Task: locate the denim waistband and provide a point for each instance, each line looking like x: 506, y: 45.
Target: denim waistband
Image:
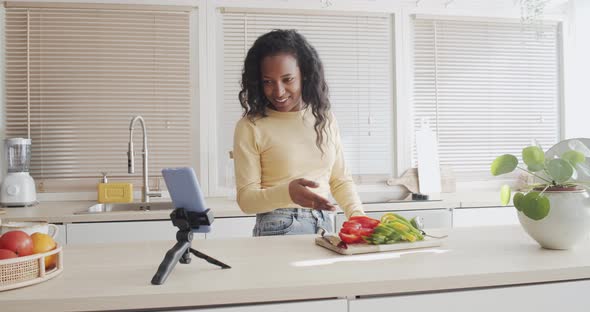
x: 297, y: 211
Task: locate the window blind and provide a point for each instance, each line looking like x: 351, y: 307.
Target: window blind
x: 487, y: 88
x: 356, y: 52
x: 76, y: 77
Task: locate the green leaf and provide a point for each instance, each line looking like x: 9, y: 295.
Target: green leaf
x: 534, y: 158
x: 504, y: 164
x: 528, y: 201
x: 505, y: 194
x: 538, y: 208
x: 516, y: 200
x: 578, y: 146
x: 560, y: 170
x: 573, y: 157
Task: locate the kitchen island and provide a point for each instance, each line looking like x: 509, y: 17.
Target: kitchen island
x: 291, y: 271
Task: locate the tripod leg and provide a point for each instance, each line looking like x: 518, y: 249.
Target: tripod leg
x: 172, y: 257
x: 209, y: 259
x: 186, y: 257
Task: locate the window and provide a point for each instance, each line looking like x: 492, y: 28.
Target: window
x: 356, y: 52
x: 487, y: 88
x: 76, y: 76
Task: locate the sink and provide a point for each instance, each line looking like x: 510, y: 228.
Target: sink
x: 127, y: 207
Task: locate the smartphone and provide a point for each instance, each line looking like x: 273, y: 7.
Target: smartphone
x: 185, y: 191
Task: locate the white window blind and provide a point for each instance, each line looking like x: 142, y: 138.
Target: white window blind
x: 356, y: 52
x: 76, y: 77
x: 487, y: 88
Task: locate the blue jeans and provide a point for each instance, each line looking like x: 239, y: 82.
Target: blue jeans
x: 292, y: 221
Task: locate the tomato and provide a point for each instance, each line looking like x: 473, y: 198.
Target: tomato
x: 350, y: 238
x: 7, y: 254
x: 17, y: 241
x: 365, y: 221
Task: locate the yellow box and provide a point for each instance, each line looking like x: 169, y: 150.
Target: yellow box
x: 115, y: 192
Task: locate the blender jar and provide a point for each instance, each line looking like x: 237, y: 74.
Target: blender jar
x: 18, y: 154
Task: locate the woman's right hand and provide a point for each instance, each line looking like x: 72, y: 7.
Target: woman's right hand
x: 306, y: 198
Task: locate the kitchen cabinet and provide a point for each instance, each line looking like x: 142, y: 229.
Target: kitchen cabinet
x: 232, y: 227
x: 132, y: 231
x: 550, y: 297
x: 484, y: 216
x: 433, y: 218
x: 110, y: 232
x: 335, y: 305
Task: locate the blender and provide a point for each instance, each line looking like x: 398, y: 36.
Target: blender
x: 18, y: 187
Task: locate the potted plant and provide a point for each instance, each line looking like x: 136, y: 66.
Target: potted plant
x: 555, y: 211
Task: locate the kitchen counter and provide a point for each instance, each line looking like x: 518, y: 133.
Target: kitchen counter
x: 63, y: 211
x: 117, y: 276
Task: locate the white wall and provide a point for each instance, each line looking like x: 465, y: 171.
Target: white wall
x: 577, y: 71
x: 577, y: 66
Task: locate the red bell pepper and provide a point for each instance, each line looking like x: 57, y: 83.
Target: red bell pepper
x: 350, y: 238
x: 356, y: 228
x: 352, y: 224
x: 366, y: 232
x: 365, y: 221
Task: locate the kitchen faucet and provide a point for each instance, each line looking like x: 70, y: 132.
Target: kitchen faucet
x: 145, y: 190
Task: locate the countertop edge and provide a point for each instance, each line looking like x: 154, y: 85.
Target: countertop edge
x: 295, y: 294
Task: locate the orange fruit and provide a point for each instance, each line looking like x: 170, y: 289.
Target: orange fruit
x: 44, y: 243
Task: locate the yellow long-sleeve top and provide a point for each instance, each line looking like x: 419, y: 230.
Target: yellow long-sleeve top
x: 272, y: 151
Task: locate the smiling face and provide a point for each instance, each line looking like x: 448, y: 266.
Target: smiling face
x: 281, y: 79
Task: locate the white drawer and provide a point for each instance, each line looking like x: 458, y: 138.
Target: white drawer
x: 111, y: 232
x: 232, y: 227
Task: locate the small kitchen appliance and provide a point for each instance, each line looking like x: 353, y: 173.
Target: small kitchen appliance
x: 18, y: 187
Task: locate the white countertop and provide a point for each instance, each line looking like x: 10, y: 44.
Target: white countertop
x: 64, y: 211
x: 117, y: 276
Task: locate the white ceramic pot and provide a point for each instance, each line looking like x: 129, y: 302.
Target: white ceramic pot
x: 567, y: 223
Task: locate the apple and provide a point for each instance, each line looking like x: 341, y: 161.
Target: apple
x: 17, y: 241
x: 7, y: 254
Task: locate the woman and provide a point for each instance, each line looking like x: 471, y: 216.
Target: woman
x: 287, y: 149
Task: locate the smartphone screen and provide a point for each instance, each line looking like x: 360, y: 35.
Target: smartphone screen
x: 185, y: 192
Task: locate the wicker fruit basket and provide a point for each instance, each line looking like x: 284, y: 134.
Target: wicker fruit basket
x: 29, y: 270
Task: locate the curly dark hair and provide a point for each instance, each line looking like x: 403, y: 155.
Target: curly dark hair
x: 314, y: 89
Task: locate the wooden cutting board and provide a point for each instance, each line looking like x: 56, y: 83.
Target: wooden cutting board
x: 354, y: 249
x: 409, y: 180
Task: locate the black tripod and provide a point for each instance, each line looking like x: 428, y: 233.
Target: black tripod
x: 186, y: 221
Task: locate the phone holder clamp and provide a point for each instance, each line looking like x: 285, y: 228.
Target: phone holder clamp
x: 186, y: 221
